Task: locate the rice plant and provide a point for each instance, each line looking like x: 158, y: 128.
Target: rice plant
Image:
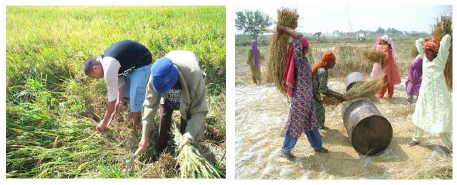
x: 191, y: 163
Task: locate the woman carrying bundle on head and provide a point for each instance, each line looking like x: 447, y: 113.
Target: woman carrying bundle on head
x: 297, y: 79
x: 392, y: 76
x: 320, y: 78
x: 434, y: 107
x: 377, y: 68
x: 413, y: 83
x: 253, y: 62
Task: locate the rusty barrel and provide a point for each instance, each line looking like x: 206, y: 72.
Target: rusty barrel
x: 369, y: 131
x: 353, y: 78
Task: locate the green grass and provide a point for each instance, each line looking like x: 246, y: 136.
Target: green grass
x: 52, y: 108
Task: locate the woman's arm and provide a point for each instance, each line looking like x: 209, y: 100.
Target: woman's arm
x: 443, y: 52
x: 419, y: 43
x: 289, y: 31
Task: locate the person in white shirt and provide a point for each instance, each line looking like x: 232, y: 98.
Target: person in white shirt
x: 125, y: 66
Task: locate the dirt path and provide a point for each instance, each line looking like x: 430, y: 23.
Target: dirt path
x: 261, y: 113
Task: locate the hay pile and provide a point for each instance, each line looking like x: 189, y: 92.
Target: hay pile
x: 348, y: 59
x: 373, y: 56
x: 279, y: 45
x: 439, y: 30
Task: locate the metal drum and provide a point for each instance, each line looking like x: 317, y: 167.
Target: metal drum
x: 353, y: 78
x: 369, y: 131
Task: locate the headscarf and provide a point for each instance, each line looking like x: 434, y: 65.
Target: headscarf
x: 255, y: 54
x: 288, y: 78
x: 391, y: 43
x: 323, y: 63
x: 378, y: 42
x: 431, y: 44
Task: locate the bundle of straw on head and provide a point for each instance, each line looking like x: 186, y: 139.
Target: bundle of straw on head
x: 191, y: 163
x: 439, y: 30
x: 288, y: 17
x: 279, y: 47
x: 373, y: 56
x: 366, y: 89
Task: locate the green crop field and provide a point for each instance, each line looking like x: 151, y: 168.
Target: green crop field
x: 52, y: 108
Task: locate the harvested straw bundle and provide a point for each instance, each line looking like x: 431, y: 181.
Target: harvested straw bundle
x: 366, y: 89
x: 359, y: 90
x: 327, y: 100
x: 439, y: 30
x: 414, y: 51
x: 288, y: 17
x: 373, y: 56
x: 191, y: 163
x: 279, y: 45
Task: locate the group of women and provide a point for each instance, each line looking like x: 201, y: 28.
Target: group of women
x: 305, y: 84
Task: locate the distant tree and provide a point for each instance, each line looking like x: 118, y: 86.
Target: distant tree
x: 252, y: 22
x: 393, y: 31
x: 380, y: 30
x: 360, y: 31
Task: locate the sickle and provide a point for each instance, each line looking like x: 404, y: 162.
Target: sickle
x: 138, y: 151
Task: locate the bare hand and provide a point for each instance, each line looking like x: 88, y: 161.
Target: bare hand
x: 341, y: 98
x: 119, y: 106
x: 184, y: 142
x: 101, y: 127
x: 279, y: 29
x: 144, y: 144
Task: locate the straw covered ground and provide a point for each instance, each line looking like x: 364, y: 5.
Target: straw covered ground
x: 261, y: 112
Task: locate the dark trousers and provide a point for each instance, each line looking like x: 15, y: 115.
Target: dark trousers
x: 164, y: 127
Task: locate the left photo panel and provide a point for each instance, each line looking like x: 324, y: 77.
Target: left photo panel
x: 115, y: 92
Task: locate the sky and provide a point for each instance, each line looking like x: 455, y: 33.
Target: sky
x: 330, y: 17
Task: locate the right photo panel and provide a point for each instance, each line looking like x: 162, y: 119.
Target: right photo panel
x: 343, y: 92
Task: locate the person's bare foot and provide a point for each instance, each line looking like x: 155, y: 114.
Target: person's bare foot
x: 323, y: 150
